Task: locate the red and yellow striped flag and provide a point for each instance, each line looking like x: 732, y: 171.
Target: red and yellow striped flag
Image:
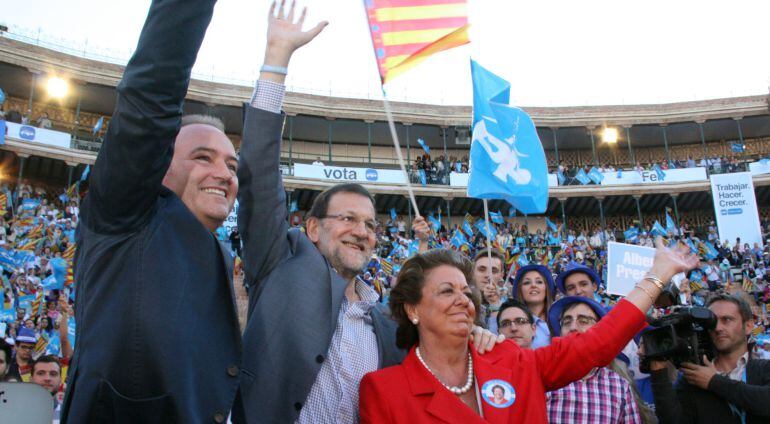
x: 748, y: 286
x: 69, y: 252
x: 35, y: 232
x: 26, y: 244
x: 37, y: 303
x: 70, y: 279
x: 406, y: 32
x: 41, y: 345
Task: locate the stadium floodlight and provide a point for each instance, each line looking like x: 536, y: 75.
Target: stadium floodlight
x: 610, y: 135
x: 57, y: 87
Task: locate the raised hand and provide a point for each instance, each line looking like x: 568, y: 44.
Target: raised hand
x: 670, y: 261
x: 285, y: 35
x: 421, y: 229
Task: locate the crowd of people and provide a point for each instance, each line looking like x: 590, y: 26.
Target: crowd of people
x: 37, y: 323
x: 350, y: 320
x: 532, y: 270
x: 425, y: 170
x: 538, y: 275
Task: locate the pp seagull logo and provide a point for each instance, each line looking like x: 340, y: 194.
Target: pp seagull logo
x: 503, y: 153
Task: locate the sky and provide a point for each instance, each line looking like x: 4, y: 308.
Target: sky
x: 554, y: 52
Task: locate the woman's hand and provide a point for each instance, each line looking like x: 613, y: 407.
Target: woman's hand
x: 484, y: 340
x: 670, y: 261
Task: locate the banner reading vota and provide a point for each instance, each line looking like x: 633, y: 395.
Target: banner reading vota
x: 736, y: 208
x: 339, y: 173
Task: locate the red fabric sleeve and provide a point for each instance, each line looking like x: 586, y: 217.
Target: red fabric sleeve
x: 570, y: 358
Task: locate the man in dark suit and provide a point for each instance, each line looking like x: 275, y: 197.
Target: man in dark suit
x: 158, y: 335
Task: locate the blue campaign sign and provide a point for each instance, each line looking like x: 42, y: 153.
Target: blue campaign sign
x: 582, y: 177
x: 507, y: 158
x: 2, y: 132
x: 626, y: 266
x: 71, y: 331
x: 7, y: 315
x: 25, y: 302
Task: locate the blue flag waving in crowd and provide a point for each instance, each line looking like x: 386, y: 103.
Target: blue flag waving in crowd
x: 670, y: 224
x: 507, y: 158
x: 496, y: 217
x: 424, y: 146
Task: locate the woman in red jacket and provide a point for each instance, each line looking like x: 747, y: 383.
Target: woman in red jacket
x: 443, y: 379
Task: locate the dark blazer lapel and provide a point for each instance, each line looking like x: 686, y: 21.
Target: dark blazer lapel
x: 385, y: 331
x: 229, y: 261
x: 337, y: 291
x: 486, y: 370
x: 379, y: 330
x: 443, y: 405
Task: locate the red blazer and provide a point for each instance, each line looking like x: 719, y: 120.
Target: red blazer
x: 408, y: 393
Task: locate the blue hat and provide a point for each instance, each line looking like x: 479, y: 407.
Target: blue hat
x: 26, y: 336
x: 573, y: 268
x: 542, y: 269
x: 555, y: 311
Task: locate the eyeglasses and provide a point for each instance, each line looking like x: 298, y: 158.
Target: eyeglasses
x: 518, y: 322
x: 582, y: 321
x: 351, y: 221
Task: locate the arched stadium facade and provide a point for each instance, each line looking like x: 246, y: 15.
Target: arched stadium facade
x: 351, y: 138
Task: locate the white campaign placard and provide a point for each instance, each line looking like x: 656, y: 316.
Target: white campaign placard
x: 626, y: 266
x: 348, y: 174
x: 735, y: 207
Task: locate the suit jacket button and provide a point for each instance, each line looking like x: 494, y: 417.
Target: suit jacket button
x: 219, y: 417
x: 297, y: 406
x: 319, y: 359
x: 232, y: 371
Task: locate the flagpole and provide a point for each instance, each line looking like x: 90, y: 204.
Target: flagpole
x: 489, y: 243
x: 400, y: 157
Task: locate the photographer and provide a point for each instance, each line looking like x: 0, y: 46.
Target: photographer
x: 732, y: 389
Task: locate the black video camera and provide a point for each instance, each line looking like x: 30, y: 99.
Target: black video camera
x: 680, y: 336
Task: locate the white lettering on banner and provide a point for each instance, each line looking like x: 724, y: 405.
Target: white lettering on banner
x: 339, y: 173
x: 626, y: 265
x: 651, y: 177
x: 32, y: 134
x: 735, y: 205
x: 232, y: 219
x: 633, y: 273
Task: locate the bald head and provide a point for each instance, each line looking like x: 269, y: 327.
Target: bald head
x: 203, y: 173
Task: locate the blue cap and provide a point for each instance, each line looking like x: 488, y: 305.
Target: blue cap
x: 555, y: 311
x: 573, y: 268
x: 542, y: 269
x: 26, y: 336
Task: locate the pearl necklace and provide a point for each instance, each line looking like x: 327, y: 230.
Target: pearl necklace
x: 454, y: 389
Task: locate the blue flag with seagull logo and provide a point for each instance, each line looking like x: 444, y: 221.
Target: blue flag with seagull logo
x: 507, y: 159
